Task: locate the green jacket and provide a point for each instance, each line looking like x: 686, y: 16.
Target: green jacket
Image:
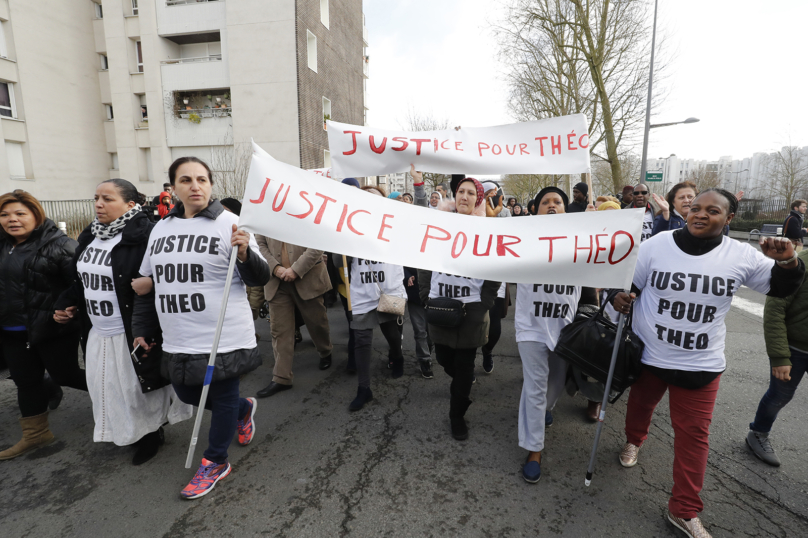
x: 785, y: 322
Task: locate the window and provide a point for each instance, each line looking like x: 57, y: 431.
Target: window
x: 326, y: 159
x: 7, y: 100
x: 16, y: 162
x: 326, y: 110
x: 3, y: 49
x: 311, y: 48
x: 99, y: 11
x: 139, y: 57
x: 114, y: 161
x: 324, y: 12
x: 104, y: 62
x: 110, y: 115
x: 134, y: 7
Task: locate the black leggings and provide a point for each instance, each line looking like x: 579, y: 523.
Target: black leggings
x: 495, y: 329
x: 27, y: 364
x: 392, y: 332
x: 459, y: 365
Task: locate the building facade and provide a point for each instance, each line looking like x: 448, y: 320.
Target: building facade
x: 148, y: 81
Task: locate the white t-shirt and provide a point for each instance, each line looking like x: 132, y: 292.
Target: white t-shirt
x: 501, y: 291
x: 188, y: 260
x: 95, y: 269
x: 680, y: 313
x: 542, y: 310
x: 367, y: 277
x: 647, y: 225
x: 461, y: 288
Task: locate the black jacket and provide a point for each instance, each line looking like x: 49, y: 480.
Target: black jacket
x: 413, y: 292
x: 792, y: 227
x: 126, y: 258
x: 190, y: 369
x: 46, y: 273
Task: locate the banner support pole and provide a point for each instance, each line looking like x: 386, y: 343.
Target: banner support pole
x: 589, y: 186
x: 347, y: 286
x: 212, y: 360
x: 619, y: 336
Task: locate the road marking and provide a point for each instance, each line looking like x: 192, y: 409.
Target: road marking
x: 748, y: 306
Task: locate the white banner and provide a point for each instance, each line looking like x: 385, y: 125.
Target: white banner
x: 596, y: 249
x: 325, y: 172
x: 550, y: 146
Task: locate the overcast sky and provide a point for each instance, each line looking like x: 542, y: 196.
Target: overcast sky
x: 739, y: 66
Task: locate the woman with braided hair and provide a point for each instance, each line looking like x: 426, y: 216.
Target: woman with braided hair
x: 684, y: 282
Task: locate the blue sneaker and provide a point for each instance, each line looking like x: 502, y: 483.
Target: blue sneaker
x: 548, y: 419
x: 531, y: 472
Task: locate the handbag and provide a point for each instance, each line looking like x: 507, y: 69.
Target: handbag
x: 445, y: 312
x: 588, y: 342
x: 391, y: 304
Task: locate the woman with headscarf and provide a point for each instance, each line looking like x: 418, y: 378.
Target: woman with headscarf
x: 395, y: 195
x: 538, y: 326
x: 131, y: 400
x: 517, y: 210
x: 456, y: 347
x: 434, y: 200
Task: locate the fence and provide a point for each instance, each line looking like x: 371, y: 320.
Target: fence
x: 753, y: 214
x: 76, y: 214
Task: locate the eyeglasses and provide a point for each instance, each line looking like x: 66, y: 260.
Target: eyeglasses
x: 640, y: 192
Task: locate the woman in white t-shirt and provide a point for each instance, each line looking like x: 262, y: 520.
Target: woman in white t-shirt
x: 188, y: 258
x: 685, y: 281
x: 456, y: 347
x: 542, y: 310
x: 131, y: 400
x: 368, y: 279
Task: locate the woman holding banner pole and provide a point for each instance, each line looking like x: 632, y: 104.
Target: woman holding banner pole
x: 188, y: 258
x: 456, y: 346
x: 685, y: 281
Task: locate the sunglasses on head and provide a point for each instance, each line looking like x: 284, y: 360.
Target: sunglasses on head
x: 640, y: 192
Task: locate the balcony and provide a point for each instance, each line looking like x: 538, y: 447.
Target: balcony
x: 366, y: 66
x: 177, y: 17
x: 199, y: 118
x: 199, y: 73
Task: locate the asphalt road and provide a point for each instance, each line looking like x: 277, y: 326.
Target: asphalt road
x: 392, y: 469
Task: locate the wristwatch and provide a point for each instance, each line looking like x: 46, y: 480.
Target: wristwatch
x: 786, y: 262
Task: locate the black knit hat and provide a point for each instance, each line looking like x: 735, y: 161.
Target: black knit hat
x: 582, y: 187
x: 547, y: 190
x: 232, y: 204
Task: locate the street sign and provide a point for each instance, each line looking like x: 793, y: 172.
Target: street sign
x: 653, y: 176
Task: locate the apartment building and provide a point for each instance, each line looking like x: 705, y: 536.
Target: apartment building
x: 142, y: 82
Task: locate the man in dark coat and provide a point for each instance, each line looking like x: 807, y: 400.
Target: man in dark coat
x: 793, y: 225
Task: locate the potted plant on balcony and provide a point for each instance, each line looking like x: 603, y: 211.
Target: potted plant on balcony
x: 326, y: 117
x: 194, y: 118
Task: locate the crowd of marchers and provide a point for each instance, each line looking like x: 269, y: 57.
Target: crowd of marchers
x: 140, y: 291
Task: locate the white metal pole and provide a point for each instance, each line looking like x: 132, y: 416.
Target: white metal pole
x: 591, y: 469
x: 212, y: 360
x: 643, y: 168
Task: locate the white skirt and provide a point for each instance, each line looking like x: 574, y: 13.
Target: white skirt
x: 123, y: 413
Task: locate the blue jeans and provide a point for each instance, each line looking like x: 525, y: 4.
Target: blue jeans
x: 779, y: 394
x: 226, y: 408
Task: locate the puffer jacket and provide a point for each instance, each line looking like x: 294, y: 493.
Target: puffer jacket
x: 47, y: 272
x: 785, y: 322
x: 126, y: 258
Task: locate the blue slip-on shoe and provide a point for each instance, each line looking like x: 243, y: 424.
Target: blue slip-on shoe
x: 531, y: 472
x: 548, y: 419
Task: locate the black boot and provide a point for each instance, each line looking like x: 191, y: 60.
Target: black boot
x: 397, y: 366
x: 55, y: 393
x: 459, y: 429
x: 363, y: 396
x: 148, y: 445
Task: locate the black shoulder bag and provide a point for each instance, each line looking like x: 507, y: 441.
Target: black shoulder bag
x: 588, y: 341
x: 445, y: 312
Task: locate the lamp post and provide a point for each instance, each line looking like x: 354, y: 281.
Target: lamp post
x: 736, y: 177
x: 648, y: 125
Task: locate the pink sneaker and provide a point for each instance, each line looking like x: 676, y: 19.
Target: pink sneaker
x: 205, y: 479
x: 246, y: 426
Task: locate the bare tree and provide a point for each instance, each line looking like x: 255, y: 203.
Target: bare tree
x: 417, y: 121
x: 788, y: 172
x: 605, y: 183
x: 230, y: 163
x: 581, y: 56
x: 705, y: 177
x: 525, y: 186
